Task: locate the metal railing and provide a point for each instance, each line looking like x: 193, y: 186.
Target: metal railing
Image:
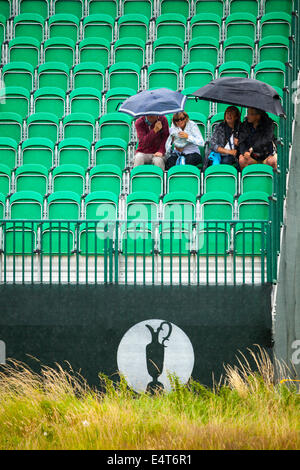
x: 138, y: 252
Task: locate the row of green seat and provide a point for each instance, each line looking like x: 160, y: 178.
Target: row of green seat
x: 64, y: 207
x: 136, y: 25
x: 149, y: 178
x: 146, y: 7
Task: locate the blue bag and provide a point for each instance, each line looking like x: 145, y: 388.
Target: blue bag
x: 215, y: 157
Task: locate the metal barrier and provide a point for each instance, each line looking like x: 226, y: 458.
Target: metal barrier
x: 130, y: 252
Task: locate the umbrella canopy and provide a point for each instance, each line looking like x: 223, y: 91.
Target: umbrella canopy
x: 242, y: 92
x: 159, y: 101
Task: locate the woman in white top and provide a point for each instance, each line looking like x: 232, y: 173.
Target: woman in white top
x: 184, y: 140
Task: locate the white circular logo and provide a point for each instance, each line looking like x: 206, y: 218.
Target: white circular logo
x: 153, y: 350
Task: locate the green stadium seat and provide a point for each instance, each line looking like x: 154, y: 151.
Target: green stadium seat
x: 69, y: 7
x: 21, y: 237
x: 144, y: 7
x: 86, y: 100
x: 24, y: 49
x: 169, y: 49
x: 16, y: 98
x: 240, y: 24
x: 74, y: 150
x: 111, y: 151
x: 221, y: 178
x: 133, y: 25
x: 137, y: 233
x: 207, y: 6
x: 194, y: 106
x: 245, y: 6
x: 94, y: 238
x: 69, y: 177
x: 204, y: 49
x: 60, y: 50
x: 38, y: 150
x: 240, y: 48
x: 235, y: 69
x: 5, y: 179
x: 2, y: 28
x: 63, y: 205
x: 184, y: 178
x: 107, y: 7
x: 257, y: 177
x: 18, y: 74
x: 106, y: 177
x: 273, y: 46
x: 115, y: 125
x: 213, y: 234
x: 271, y: 72
x: 171, y: 25
x: 50, y: 98
x: 64, y: 25
x: 285, y: 6
x: 11, y: 125
x: 149, y: 178
x: 29, y: 24
x: 206, y: 24
x: 163, y: 74
x: 197, y: 74
x: 44, y: 125
x: 82, y: 124
x: 176, y: 229
x: 115, y: 96
x: 41, y: 7
x: 32, y: 176
x: 99, y: 26
x: 133, y: 48
x: 124, y: 72
x: 54, y: 74
x: 175, y: 6
x: 89, y: 74
x: 8, y: 152
x: 6, y: 8
x: 279, y: 23
x: 94, y: 50
x: 201, y: 120
x: 250, y: 236
x: 59, y: 237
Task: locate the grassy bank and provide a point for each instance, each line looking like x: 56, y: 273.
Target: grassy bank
x: 57, y: 410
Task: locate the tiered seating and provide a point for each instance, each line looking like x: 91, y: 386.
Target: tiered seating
x: 67, y: 65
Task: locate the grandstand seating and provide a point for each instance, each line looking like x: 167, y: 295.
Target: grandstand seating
x: 66, y: 152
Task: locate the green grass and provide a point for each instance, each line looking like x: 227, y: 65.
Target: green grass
x: 57, y: 410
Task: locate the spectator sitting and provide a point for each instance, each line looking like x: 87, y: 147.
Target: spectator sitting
x: 224, y: 140
x: 152, y: 133
x: 185, y: 138
x: 257, y: 139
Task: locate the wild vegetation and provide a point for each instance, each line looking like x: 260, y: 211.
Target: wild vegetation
x: 57, y: 410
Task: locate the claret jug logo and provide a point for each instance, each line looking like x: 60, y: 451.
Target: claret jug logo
x: 152, y: 351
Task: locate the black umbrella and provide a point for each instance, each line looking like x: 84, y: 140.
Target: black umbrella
x: 245, y: 92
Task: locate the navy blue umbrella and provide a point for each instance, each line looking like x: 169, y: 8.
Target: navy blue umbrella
x: 158, y: 102
x: 245, y: 92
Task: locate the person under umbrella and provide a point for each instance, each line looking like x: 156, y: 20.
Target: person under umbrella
x: 224, y: 140
x: 184, y: 141
x: 152, y: 132
x: 257, y: 140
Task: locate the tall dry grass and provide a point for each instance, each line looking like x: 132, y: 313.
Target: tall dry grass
x: 58, y: 410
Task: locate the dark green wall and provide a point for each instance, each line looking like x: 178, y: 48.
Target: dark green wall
x: 85, y: 324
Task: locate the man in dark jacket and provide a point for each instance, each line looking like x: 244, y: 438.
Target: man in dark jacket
x: 256, y: 140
